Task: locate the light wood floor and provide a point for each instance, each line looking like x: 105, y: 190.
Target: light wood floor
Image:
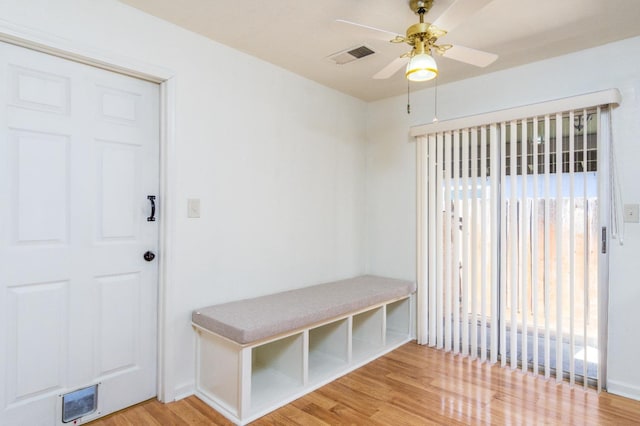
x: 416, y: 385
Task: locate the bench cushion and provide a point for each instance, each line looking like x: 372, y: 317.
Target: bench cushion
x: 249, y: 320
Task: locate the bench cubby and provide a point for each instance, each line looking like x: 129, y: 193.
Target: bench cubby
x: 396, y: 326
x: 246, y: 380
x: 328, y: 349
x: 368, y: 333
x: 277, y: 370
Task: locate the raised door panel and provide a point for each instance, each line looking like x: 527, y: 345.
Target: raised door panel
x: 118, y: 323
x: 119, y: 184
x: 37, y: 350
x: 39, y: 90
x: 41, y: 197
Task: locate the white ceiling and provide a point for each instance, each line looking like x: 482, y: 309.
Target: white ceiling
x: 299, y: 35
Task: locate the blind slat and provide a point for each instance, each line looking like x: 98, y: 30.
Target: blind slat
x: 572, y: 275
x: 559, y: 284
x: 586, y: 252
x: 600, y: 364
x: 524, y: 239
x: 455, y: 226
x: 422, y: 238
x: 547, y: 247
x: 512, y: 237
x: 465, y: 224
x: 503, y: 249
x: 441, y: 249
x: 483, y: 231
x: 534, y: 247
x: 447, y: 242
x: 496, y: 171
x: 433, y: 208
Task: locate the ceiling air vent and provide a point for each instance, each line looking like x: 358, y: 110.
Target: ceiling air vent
x: 351, y: 55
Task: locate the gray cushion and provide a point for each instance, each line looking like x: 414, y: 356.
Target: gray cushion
x: 249, y: 320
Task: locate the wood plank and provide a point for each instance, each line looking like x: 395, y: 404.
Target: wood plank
x: 290, y: 415
x: 213, y: 416
x: 164, y: 416
x: 190, y: 411
x: 139, y: 416
x: 415, y: 385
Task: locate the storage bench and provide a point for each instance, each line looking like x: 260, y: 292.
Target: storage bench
x: 256, y: 355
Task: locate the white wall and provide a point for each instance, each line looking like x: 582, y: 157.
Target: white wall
x: 277, y: 161
x: 390, y: 193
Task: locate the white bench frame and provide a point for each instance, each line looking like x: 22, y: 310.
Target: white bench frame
x: 245, y: 382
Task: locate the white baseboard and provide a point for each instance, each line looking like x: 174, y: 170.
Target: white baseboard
x: 623, y: 389
x: 185, y: 390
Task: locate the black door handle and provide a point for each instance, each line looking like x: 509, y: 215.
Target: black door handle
x: 149, y: 256
x: 152, y: 198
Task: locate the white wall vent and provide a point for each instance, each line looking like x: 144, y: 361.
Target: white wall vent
x: 350, y: 55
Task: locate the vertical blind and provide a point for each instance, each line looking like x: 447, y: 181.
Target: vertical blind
x: 509, y: 221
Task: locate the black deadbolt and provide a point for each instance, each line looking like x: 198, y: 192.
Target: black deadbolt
x: 149, y: 256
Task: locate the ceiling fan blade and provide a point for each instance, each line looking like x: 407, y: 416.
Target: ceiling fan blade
x: 393, y: 67
x: 470, y: 56
x: 459, y: 12
x: 391, y: 33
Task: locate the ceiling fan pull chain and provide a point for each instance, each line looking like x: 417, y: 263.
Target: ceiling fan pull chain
x: 408, y: 97
x: 435, y: 102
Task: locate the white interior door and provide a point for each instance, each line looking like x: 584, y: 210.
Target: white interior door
x: 79, y: 154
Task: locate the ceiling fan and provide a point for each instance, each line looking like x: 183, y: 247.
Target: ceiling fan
x: 423, y: 36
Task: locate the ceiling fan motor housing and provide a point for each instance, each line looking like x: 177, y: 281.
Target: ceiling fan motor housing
x: 423, y: 31
x: 420, y: 6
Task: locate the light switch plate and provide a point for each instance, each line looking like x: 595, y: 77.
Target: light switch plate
x: 193, y: 207
x: 632, y: 213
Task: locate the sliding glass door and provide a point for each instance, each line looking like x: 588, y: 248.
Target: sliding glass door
x: 514, y: 218
x: 549, y: 260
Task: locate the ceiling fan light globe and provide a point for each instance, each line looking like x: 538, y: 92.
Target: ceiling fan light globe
x: 422, y: 67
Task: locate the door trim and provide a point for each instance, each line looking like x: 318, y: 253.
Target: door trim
x: 166, y: 78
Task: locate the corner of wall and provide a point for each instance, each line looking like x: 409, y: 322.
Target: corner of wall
x: 184, y: 390
x: 623, y: 389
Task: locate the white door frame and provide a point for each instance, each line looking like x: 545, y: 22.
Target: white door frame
x: 35, y: 40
